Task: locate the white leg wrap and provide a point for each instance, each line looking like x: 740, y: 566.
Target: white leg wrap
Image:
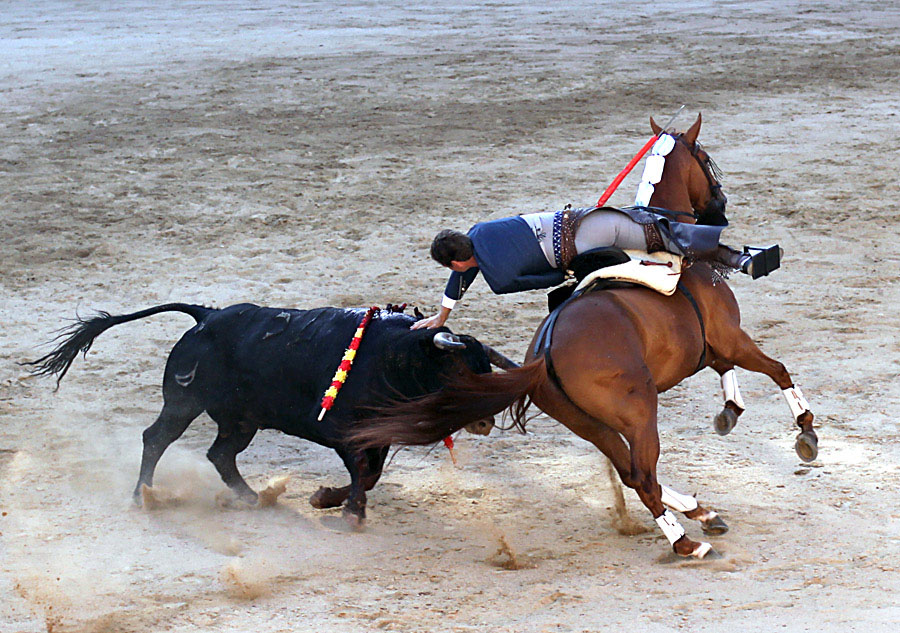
x: 702, y: 550
x: 796, y: 401
x: 678, y: 501
x: 730, y: 390
x: 670, y: 526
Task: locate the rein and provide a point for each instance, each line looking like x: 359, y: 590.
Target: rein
x: 690, y: 297
x: 707, y: 166
x: 669, y: 212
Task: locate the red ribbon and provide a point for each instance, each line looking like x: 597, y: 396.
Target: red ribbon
x: 618, y: 179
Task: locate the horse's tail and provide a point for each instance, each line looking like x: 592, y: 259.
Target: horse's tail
x: 79, y: 336
x: 463, y: 400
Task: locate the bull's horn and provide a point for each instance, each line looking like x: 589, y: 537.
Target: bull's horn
x: 446, y: 340
x: 499, y: 360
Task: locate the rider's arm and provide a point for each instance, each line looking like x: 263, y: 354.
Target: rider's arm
x: 456, y: 287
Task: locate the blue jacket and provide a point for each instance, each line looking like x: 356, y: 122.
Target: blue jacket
x: 510, y: 256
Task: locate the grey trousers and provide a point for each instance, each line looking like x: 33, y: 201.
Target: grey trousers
x: 609, y: 228
x: 597, y: 229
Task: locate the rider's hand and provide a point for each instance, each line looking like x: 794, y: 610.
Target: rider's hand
x: 430, y: 322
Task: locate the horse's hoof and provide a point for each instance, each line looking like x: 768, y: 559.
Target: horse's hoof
x: 807, y: 446
x: 357, y: 522
x: 725, y: 421
x: 715, y: 526
x: 701, y: 551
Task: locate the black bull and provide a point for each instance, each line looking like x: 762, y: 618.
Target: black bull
x: 254, y: 368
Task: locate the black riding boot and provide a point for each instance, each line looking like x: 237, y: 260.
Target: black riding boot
x: 756, y: 262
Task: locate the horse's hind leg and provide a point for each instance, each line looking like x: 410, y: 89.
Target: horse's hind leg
x: 552, y: 401
x: 727, y: 418
x: 612, y: 445
x: 644, y: 441
x: 710, y: 521
x: 744, y: 353
x: 171, y: 423
x: 231, y: 440
x: 628, y: 403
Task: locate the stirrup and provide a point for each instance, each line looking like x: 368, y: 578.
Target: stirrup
x: 762, y: 261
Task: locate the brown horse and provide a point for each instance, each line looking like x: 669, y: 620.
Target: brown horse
x: 612, y: 352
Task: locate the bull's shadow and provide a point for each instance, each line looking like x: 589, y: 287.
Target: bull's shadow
x: 250, y: 367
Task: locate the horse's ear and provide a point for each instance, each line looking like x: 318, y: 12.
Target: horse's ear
x: 690, y: 137
x: 653, y: 126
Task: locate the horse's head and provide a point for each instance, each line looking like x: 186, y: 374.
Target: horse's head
x: 690, y: 179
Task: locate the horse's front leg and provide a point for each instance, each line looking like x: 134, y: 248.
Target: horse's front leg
x: 733, y: 407
x: 744, y: 353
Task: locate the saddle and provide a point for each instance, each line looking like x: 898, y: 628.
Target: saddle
x: 611, y: 266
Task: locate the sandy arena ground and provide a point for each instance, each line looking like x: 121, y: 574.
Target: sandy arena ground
x: 304, y: 154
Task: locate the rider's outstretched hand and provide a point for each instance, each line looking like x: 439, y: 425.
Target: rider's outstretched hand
x: 430, y: 322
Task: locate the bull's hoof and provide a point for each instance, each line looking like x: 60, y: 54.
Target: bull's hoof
x: 156, y: 498
x: 248, y: 497
x: 235, y: 499
x: 725, y: 422
x: 807, y: 446
x: 715, y: 526
x: 357, y: 522
x: 325, y: 498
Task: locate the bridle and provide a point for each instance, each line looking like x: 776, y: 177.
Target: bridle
x: 713, y: 212
x: 717, y: 200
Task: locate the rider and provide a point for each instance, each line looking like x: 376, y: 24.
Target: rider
x: 523, y: 252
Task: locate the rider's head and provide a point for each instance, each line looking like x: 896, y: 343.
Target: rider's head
x: 451, y: 246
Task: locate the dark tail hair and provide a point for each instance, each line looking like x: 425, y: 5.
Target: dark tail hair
x: 79, y: 336
x: 469, y: 398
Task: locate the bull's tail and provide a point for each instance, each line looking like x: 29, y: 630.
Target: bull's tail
x: 464, y: 400
x: 79, y: 336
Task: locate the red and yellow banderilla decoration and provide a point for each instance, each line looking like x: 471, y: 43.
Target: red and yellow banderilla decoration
x: 346, y: 363
x: 344, y: 368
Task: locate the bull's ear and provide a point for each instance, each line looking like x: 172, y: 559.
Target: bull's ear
x: 447, y: 341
